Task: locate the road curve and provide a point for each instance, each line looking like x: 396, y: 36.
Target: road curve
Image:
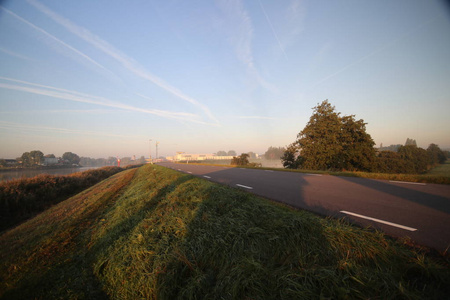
x: 400, y: 209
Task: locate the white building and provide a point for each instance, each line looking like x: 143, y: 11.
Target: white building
x: 197, y: 157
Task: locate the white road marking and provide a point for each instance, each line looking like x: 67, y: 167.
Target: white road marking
x: 189, y: 172
x: 244, y: 186
x: 206, y: 176
x: 311, y: 174
x: 179, y: 169
x: 379, y: 221
x: 418, y: 183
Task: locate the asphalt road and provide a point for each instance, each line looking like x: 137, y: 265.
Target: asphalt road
x: 400, y: 209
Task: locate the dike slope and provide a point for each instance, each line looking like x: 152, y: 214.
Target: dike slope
x: 153, y: 233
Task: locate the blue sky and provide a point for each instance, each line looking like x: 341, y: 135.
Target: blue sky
x: 101, y: 78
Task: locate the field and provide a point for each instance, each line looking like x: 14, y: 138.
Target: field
x: 442, y: 170
x: 153, y: 233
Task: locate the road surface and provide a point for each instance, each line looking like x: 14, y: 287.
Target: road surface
x: 400, y: 209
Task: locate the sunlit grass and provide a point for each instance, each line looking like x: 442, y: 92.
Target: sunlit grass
x: 154, y: 233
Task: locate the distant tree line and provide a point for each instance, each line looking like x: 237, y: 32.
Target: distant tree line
x: 110, y: 161
x: 334, y: 142
x: 37, y: 158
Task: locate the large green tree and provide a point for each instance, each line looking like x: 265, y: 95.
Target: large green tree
x: 331, y: 142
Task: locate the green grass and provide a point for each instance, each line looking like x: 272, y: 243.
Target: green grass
x: 153, y: 233
x: 441, y: 170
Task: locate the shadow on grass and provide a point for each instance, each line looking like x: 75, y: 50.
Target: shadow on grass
x: 241, y: 247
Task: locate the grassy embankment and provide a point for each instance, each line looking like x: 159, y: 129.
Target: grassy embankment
x: 439, y: 174
x: 152, y: 233
x: 25, y: 197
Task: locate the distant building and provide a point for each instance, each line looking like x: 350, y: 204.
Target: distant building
x: 10, y: 162
x: 197, y: 157
x: 50, y: 161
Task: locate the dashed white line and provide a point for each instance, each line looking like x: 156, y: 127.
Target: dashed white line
x: 244, y: 186
x: 405, y: 182
x: 206, y: 176
x: 189, y: 172
x: 379, y: 221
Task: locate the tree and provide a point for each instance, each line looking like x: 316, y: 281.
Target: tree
x: 50, y: 156
x: 32, y: 158
x: 410, y: 142
x: 241, y: 160
x: 435, y: 155
x: 291, y: 158
x: 231, y: 153
x: 26, y: 159
x: 390, y: 162
x: 358, y: 152
x: 37, y: 157
x: 274, y: 153
x: 416, y: 159
x: 330, y: 141
x: 72, y: 158
x: 221, y: 153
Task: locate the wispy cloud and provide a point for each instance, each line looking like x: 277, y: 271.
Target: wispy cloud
x: 38, y: 128
x: 14, y: 54
x: 75, y: 96
x: 255, y: 117
x: 239, y: 27
x: 273, y: 30
x: 60, y: 42
x: 63, y: 111
x: 127, y: 62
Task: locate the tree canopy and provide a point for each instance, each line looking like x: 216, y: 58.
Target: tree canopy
x: 274, y: 153
x: 71, y: 158
x: 241, y: 160
x: 331, y: 142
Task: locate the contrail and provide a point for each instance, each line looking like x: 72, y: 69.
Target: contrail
x: 273, y: 30
x: 127, y: 62
x: 57, y: 40
x: 64, y: 94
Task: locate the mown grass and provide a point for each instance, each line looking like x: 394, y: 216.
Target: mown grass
x: 153, y: 233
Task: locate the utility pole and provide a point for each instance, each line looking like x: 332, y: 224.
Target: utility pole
x: 150, y: 148
x: 157, y: 150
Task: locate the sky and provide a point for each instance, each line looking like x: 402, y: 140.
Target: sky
x: 110, y: 78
